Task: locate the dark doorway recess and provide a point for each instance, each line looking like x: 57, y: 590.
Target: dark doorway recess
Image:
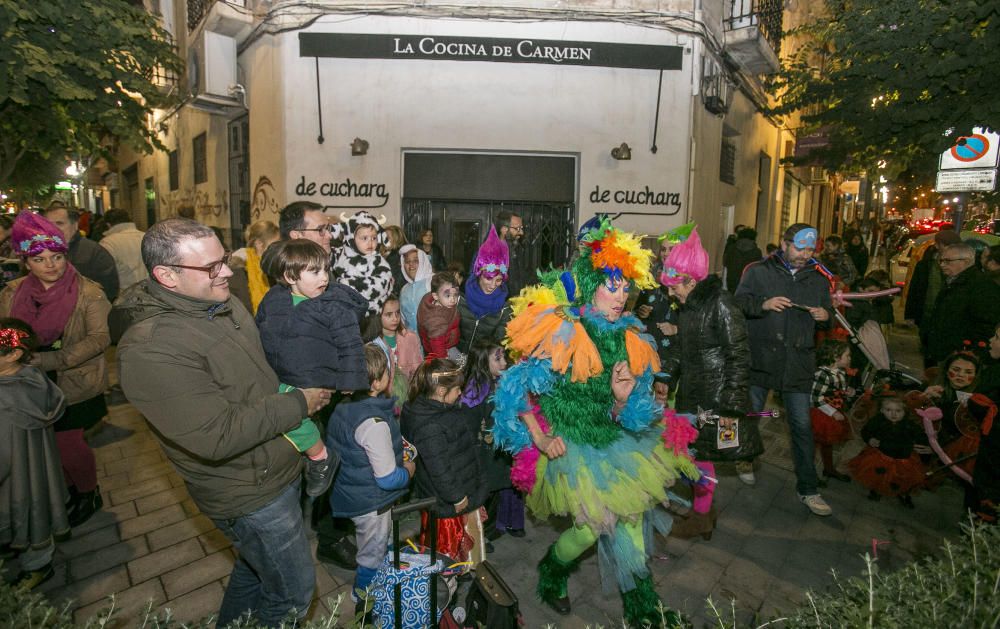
x: 460, y: 195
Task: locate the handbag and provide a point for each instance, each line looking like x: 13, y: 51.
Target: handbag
x: 491, y: 604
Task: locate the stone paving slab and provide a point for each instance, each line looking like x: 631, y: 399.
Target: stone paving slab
x: 150, y: 543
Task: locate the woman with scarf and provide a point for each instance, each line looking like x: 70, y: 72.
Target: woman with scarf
x: 69, y: 313
x: 578, y: 414
x: 417, y: 272
x: 484, y: 309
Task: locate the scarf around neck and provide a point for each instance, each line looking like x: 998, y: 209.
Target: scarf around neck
x: 482, y: 304
x: 46, y: 310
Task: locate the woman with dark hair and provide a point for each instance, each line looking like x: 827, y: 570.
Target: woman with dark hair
x: 69, y: 313
x: 956, y: 383
x: 857, y: 251
x: 426, y: 243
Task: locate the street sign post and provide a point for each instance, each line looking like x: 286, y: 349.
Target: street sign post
x: 971, y: 180
x: 970, y: 165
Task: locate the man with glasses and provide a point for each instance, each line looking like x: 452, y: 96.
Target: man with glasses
x: 511, y: 230
x: 305, y: 219
x: 785, y: 297
x: 967, y: 307
x: 926, y: 281
x: 191, y: 362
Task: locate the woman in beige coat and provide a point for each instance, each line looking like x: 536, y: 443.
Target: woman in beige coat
x: 69, y: 313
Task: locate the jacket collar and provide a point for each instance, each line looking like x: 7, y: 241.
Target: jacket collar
x: 121, y: 227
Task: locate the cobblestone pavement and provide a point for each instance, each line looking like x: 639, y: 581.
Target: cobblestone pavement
x: 151, y: 544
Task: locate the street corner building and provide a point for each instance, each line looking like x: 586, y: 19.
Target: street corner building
x: 443, y: 115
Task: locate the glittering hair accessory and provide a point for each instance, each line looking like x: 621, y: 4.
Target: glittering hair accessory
x: 687, y: 260
x: 10, y: 338
x: 493, y: 256
x: 32, y: 234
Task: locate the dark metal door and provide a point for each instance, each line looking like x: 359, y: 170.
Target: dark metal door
x: 460, y: 226
x: 239, y: 178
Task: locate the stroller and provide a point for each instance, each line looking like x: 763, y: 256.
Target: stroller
x: 880, y: 369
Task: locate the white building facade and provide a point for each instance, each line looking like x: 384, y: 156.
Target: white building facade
x: 442, y: 115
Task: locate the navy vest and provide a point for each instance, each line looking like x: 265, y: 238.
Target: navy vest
x: 355, y: 491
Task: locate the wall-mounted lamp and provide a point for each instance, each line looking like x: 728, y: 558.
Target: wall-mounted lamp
x: 622, y: 152
x: 359, y: 147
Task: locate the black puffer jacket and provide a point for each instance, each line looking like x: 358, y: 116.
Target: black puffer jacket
x: 317, y: 343
x: 709, y: 363
x: 782, y: 346
x: 491, y: 327
x: 449, y: 464
x: 966, y: 309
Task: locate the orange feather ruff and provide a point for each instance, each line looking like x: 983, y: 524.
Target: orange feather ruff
x: 640, y: 354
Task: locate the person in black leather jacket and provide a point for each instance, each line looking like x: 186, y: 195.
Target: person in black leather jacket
x: 709, y: 362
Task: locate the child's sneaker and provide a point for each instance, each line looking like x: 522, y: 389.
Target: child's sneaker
x: 319, y: 476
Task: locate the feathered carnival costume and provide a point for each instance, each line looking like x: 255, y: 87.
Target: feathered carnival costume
x: 617, y: 467
x: 368, y: 274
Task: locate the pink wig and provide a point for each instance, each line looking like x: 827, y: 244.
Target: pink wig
x: 686, y: 260
x: 32, y: 234
x: 493, y: 256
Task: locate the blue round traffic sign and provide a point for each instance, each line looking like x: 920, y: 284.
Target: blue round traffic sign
x: 970, y: 148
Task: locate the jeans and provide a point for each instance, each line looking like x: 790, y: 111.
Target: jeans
x: 274, y: 571
x: 800, y: 426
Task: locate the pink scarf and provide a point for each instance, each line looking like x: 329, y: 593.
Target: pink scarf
x: 46, y: 311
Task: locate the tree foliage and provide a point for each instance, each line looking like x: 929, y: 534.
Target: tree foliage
x: 887, y: 79
x: 75, y: 72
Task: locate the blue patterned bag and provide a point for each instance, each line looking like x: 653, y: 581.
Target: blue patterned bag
x: 414, y: 577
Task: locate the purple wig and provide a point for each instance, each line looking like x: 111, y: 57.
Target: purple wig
x: 32, y: 234
x: 493, y: 256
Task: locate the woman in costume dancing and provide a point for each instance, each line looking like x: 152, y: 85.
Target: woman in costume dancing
x: 578, y: 413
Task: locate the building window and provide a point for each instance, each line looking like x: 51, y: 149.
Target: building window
x: 727, y: 162
x: 200, y: 160
x: 174, y: 170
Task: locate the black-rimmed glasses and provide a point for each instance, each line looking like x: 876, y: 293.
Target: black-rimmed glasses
x: 324, y: 228
x: 213, y: 269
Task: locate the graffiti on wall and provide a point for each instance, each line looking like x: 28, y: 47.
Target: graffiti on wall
x: 264, y: 204
x: 195, y: 204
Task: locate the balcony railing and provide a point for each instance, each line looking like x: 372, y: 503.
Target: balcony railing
x: 764, y: 14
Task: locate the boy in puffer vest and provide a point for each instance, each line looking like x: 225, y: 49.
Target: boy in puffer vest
x: 373, y: 474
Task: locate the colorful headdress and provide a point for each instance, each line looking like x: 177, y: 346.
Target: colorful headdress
x: 678, y: 234
x: 609, y: 254
x: 687, y: 260
x: 32, y: 234
x: 493, y: 256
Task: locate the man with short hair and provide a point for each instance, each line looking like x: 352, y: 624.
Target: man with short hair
x: 967, y: 307
x: 510, y: 227
x: 785, y: 297
x: 89, y: 258
x: 192, y: 363
x: 124, y: 242
x: 305, y: 219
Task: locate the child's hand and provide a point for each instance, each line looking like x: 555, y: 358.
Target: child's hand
x: 643, y: 311
x: 667, y: 329
x: 873, y: 442
x: 316, y: 399
x: 410, y: 467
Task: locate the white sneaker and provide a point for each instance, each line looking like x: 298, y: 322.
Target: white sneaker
x: 816, y: 504
x: 744, y: 471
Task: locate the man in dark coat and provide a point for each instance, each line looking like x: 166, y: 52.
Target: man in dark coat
x: 785, y: 297
x: 967, y: 307
x: 925, y: 283
x: 510, y: 227
x: 89, y: 258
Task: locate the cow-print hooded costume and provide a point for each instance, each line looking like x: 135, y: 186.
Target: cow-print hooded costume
x: 369, y: 274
